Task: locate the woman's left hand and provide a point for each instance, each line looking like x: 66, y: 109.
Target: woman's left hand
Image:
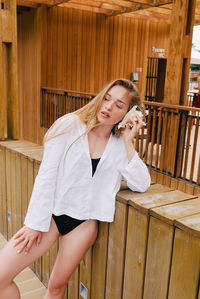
x: 132, y: 129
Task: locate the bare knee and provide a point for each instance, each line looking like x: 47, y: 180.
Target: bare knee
x: 56, y: 289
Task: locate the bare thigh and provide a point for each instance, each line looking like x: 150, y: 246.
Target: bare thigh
x: 12, y: 263
x: 72, y: 248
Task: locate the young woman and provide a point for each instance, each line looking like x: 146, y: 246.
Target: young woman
x: 85, y: 158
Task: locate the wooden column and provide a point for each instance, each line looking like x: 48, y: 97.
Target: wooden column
x: 179, y: 51
x: 2, y: 121
x: 8, y: 77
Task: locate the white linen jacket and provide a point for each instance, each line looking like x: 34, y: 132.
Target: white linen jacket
x: 65, y: 185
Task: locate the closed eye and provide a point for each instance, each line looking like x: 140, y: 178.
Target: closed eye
x: 119, y: 106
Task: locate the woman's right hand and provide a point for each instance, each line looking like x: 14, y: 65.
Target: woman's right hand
x: 26, y: 238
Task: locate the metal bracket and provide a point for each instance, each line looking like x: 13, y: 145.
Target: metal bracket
x: 83, y: 291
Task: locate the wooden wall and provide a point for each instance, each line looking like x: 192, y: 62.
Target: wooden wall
x: 29, y: 73
x: 84, y: 50
x: 79, y: 51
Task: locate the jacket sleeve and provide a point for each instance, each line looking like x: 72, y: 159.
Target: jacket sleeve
x: 136, y: 174
x: 40, y: 208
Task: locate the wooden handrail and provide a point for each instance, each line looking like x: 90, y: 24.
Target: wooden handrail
x: 64, y: 91
x: 170, y: 106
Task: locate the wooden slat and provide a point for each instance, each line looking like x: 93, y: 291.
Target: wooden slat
x: 115, y: 261
x: 59, y: 57
x: 99, y: 262
x: 163, y: 141
x: 38, y: 263
x: 18, y: 195
x: 159, y: 249
x: 175, y: 211
x: 2, y: 101
x: 184, y: 280
x: 130, y: 196
x: 3, y: 193
x: 85, y: 272
x: 158, y: 137
x: 9, y: 187
x: 187, y: 147
x: 24, y: 169
x: 13, y: 192
x: 135, y: 258
x: 190, y: 224
x: 146, y: 202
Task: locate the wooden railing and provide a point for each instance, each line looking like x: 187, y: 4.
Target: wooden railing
x: 169, y: 144
x: 57, y: 102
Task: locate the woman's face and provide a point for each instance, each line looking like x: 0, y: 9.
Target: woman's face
x: 114, y: 106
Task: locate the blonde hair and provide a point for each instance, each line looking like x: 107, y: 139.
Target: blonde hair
x: 88, y: 113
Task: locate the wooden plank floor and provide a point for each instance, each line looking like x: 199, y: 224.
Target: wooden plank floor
x: 30, y: 286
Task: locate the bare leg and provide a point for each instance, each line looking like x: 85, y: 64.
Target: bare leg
x: 72, y: 248
x: 11, y: 263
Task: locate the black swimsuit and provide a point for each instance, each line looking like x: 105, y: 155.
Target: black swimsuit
x: 66, y: 223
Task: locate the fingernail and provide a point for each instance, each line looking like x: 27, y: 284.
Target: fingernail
x: 18, y: 251
x: 25, y: 252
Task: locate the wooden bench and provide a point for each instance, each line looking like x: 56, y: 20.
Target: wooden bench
x: 150, y: 251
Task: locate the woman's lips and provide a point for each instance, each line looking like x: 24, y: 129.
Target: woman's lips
x: 105, y: 114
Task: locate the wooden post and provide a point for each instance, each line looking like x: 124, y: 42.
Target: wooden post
x: 179, y: 51
x: 2, y: 121
x: 8, y: 89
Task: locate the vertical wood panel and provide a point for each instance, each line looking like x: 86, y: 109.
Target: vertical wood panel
x: 116, y: 247
x: 135, y: 254
x: 13, y: 191
x: 3, y: 192
x: 79, y: 49
x: 24, y: 169
x: 99, y: 258
x: 184, y: 277
x: 158, y: 260
x: 86, y: 271
x: 38, y: 263
x: 59, y: 58
x: 9, y: 187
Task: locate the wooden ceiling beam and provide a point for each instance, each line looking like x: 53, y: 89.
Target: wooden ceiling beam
x: 24, y: 3
x: 126, y: 10
x: 83, y: 7
x: 122, y: 3
x: 150, y: 15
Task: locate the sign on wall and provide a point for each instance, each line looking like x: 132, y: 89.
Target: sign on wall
x: 161, y: 53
